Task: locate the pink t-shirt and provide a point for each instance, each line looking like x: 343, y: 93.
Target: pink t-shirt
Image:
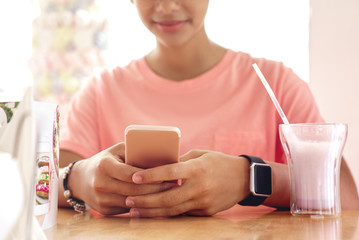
x: 225, y: 109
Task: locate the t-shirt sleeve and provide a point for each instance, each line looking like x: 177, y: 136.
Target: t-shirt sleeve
x: 80, y: 131
x: 298, y: 101
x: 298, y: 104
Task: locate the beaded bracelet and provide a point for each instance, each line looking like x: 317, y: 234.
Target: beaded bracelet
x: 77, y: 204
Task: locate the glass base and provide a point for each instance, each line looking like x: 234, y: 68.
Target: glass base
x: 316, y: 214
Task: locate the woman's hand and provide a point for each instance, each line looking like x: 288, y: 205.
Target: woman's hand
x: 104, y: 181
x: 212, y: 182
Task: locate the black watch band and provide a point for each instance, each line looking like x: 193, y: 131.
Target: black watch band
x: 252, y: 200
x: 255, y: 199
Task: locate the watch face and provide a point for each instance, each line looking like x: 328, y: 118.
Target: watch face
x: 262, y: 180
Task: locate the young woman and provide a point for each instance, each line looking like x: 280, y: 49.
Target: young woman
x: 212, y: 94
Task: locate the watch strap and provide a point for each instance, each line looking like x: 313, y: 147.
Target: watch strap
x: 253, y: 159
x: 252, y: 200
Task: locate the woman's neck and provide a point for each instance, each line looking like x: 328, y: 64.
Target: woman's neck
x: 185, y: 62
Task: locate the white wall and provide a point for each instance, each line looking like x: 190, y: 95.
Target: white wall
x: 334, y: 67
x: 15, y: 45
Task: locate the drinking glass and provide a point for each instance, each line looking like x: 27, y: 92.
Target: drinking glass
x: 314, y: 152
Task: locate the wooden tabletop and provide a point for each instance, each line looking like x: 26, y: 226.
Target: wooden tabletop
x: 236, y: 223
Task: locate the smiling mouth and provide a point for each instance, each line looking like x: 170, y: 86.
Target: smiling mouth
x: 171, y: 26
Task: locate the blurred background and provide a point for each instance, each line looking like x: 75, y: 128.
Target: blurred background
x: 56, y: 45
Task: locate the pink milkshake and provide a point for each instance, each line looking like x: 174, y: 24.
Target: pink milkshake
x: 314, y: 154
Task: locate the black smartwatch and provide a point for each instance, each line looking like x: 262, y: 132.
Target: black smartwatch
x: 260, y: 182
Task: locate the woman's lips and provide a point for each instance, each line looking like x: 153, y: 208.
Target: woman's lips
x: 170, y: 26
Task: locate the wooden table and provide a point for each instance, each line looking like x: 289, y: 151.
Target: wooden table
x: 236, y: 223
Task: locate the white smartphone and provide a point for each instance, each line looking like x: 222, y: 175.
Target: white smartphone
x: 150, y: 146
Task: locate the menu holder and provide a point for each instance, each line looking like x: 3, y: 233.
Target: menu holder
x: 47, y: 163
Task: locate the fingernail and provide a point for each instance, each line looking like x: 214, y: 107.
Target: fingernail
x: 137, y: 179
x: 179, y: 182
x: 130, y: 203
x: 134, y: 212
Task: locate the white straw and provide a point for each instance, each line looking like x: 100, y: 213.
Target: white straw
x: 271, y: 94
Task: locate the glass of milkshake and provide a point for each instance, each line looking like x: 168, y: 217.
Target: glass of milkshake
x: 314, y: 152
